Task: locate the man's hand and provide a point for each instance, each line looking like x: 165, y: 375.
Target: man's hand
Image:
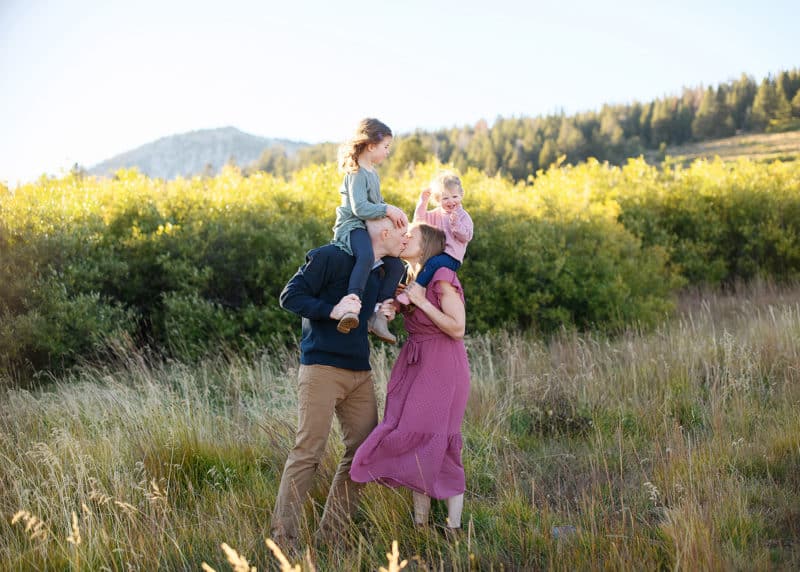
x: 350, y: 303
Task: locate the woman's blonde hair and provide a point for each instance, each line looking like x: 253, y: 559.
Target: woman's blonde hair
x: 445, y: 180
x: 370, y: 131
x: 432, y: 243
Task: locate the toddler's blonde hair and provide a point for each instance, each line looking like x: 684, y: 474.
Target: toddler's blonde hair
x: 445, y: 180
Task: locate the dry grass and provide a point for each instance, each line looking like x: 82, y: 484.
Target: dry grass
x: 675, y: 448
x: 759, y: 147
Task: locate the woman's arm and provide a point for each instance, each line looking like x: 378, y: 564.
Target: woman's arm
x: 451, y: 319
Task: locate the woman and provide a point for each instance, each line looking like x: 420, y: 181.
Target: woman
x: 418, y: 443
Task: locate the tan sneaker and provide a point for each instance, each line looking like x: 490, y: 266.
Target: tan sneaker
x: 379, y: 327
x: 347, y: 322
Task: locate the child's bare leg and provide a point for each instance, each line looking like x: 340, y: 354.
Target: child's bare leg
x: 454, y: 507
x: 422, y: 508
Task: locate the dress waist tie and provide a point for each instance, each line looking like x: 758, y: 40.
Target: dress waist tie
x: 414, y: 343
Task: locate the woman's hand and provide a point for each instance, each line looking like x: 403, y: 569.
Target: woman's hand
x: 417, y: 294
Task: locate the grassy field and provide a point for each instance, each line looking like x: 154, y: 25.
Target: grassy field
x: 759, y: 147
x: 677, y: 449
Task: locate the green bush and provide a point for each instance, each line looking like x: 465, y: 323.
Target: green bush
x: 720, y: 222
x: 189, y: 267
x: 55, y: 329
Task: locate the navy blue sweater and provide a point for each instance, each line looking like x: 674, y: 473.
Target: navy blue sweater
x: 312, y: 293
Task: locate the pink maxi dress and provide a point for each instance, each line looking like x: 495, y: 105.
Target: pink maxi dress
x: 418, y: 443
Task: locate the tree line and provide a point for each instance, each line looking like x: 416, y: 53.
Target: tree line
x: 518, y: 147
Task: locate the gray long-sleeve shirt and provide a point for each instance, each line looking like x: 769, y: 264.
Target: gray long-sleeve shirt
x: 361, y: 200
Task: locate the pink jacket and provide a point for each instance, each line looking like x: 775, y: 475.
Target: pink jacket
x: 457, y: 228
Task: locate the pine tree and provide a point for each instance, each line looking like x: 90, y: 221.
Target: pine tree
x: 783, y: 109
x: 646, y: 125
x: 794, y: 84
x: 714, y: 117
x: 786, y: 84
x: 796, y: 105
x: 571, y: 141
x: 740, y: 99
x: 771, y: 109
x: 548, y: 154
x: 725, y: 125
x: 662, y: 122
x: 682, y: 125
x: 407, y: 152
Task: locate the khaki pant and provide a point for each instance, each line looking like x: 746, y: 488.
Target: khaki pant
x: 322, y: 391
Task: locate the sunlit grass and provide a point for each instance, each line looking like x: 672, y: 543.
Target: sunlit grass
x: 677, y: 448
x: 757, y: 147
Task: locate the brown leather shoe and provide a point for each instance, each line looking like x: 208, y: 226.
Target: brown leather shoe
x: 347, y: 322
x: 379, y: 326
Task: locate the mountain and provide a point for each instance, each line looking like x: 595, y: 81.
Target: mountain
x: 193, y: 153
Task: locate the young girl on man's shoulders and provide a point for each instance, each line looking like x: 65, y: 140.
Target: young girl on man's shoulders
x: 362, y: 201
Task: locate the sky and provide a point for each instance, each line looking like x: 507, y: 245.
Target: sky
x: 84, y: 80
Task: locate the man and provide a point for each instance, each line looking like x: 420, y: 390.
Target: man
x: 334, y: 377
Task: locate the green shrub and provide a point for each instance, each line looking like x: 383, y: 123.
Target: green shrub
x: 192, y: 266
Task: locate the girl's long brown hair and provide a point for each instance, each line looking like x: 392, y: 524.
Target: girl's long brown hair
x: 370, y: 131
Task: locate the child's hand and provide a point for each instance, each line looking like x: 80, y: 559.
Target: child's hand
x: 455, y: 214
x: 425, y: 195
x: 397, y: 216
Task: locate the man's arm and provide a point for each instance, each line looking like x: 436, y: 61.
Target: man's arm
x: 300, y: 295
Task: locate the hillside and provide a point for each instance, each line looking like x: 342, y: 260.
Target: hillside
x: 193, y: 153
x: 759, y: 147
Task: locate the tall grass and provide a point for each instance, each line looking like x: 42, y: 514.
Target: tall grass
x: 674, y: 448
